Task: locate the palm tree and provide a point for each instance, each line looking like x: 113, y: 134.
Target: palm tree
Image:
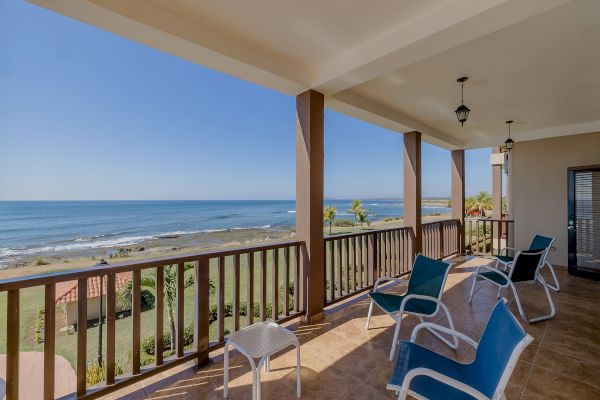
x: 170, y: 291
x: 328, y: 215
x: 480, y: 203
x: 356, y: 208
x: 362, y: 218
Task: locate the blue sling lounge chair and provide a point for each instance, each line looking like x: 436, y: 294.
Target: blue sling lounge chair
x: 424, y: 374
x: 539, y: 242
x: 525, y: 269
x: 422, y: 298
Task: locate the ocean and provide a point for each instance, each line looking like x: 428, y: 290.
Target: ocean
x: 44, y: 227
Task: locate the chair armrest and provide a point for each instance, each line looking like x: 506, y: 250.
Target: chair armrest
x: 443, y: 329
x: 387, y: 278
x: 463, y: 387
x: 504, y: 275
x: 508, y: 248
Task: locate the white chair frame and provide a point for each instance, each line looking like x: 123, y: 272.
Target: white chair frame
x: 509, y: 283
x: 397, y: 316
x: 507, y: 264
x: 404, y: 389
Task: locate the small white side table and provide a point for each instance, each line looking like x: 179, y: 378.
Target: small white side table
x: 258, y: 342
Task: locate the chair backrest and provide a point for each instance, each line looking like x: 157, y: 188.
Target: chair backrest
x: 428, y: 277
x: 541, y: 242
x: 526, y: 265
x: 502, y: 338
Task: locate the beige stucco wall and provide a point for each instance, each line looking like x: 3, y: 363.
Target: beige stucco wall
x: 539, y: 187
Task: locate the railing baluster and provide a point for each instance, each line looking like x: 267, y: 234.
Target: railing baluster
x: 499, y: 236
x: 339, y: 267
x: 365, y: 259
x: 297, y: 283
x: 353, y: 240
x: 331, y: 271
x: 49, y: 343
x: 275, y: 286
x: 111, y: 319
x: 136, y: 305
x: 221, y: 298
x: 236, y: 292
x: 347, y: 248
x: 159, y: 340
x: 202, y: 280
x: 286, y: 280
x: 81, y: 335
x: 263, y: 285
x: 12, y: 345
x: 250, y: 290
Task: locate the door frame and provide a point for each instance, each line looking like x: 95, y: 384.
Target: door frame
x: 571, y: 234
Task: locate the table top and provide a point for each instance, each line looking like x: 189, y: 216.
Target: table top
x: 262, y: 339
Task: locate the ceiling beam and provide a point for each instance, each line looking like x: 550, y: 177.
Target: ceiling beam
x: 164, y: 29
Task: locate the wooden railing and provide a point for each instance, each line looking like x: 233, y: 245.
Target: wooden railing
x: 354, y: 261
x: 280, y: 297
x: 486, y: 236
x: 441, y: 239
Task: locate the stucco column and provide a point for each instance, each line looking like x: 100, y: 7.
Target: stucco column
x: 412, y: 186
x: 309, y: 199
x: 497, y: 189
x: 458, y: 193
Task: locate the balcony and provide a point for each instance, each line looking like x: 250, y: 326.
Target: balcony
x: 396, y: 66
x: 340, y: 359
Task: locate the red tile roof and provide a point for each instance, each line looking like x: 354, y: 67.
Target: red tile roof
x: 66, y: 292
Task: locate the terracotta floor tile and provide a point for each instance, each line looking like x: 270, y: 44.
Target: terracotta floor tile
x: 342, y: 360
x: 546, y: 384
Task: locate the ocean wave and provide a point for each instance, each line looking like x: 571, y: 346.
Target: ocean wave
x: 292, y: 211
x: 8, y: 254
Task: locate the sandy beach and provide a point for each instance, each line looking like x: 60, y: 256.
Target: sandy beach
x: 174, y: 245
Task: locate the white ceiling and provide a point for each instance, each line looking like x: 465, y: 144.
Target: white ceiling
x: 391, y: 62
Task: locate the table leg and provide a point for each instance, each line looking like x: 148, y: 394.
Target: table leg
x: 298, y: 388
x: 254, y: 380
x: 258, y: 381
x: 268, y: 364
x: 225, y: 370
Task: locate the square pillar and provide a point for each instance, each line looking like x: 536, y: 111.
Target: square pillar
x: 458, y: 194
x: 412, y: 186
x: 309, y: 199
x: 496, y: 188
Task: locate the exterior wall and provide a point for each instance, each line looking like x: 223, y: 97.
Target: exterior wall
x: 539, y: 187
x: 92, y: 310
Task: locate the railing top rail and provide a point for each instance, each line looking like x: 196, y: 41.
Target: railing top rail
x: 134, y: 265
x: 363, y: 233
x: 441, y: 221
x: 488, y: 219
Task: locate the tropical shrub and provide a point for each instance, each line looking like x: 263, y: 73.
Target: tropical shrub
x: 343, y: 222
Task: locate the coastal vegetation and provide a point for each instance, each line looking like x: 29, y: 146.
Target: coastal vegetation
x: 329, y: 215
x: 361, y: 215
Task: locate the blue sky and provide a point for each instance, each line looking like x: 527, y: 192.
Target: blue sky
x: 85, y: 114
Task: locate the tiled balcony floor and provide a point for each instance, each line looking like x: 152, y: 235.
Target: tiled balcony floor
x: 342, y: 360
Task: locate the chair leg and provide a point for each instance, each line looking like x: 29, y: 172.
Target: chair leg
x: 454, y: 344
x: 369, y: 315
x: 556, y: 286
x: 396, y: 336
x: 550, y: 301
x: 499, y: 292
x: 473, y: 286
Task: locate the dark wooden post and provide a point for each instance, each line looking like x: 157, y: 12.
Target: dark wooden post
x: 458, y: 195
x: 309, y: 197
x: 412, y: 187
